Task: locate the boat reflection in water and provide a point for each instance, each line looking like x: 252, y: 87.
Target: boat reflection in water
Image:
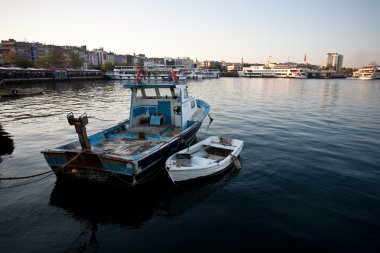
x: 6, y: 143
x: 102, y: 204
x: 130, y: 207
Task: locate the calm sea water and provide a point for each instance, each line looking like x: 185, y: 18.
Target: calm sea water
x: 309, y: 181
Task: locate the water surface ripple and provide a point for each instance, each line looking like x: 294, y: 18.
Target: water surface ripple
x: 309, y: 181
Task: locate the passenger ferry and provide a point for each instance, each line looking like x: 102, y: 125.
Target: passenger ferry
x: 212, y: 73
x: 262, y: 71
x: 367, y: 73
x: 156, y: 73
x: 200, y: 73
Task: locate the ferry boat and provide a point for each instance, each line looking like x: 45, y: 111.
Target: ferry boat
x: 212, y: 73
x: 200, y: 73
x: 163, y: 119
x: 367, y: 73
x: 262, y: 71
x: 196, y: 74
x: 155, y: 73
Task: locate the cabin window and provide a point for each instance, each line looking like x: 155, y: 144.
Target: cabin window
x: 138, y: 93
x: 150, y: 93
x: 165, y: 93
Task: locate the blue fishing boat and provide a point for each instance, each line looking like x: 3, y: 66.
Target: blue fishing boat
x: 163, y: 119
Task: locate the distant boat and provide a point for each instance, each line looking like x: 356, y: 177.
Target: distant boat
x: 20, y: 92
x: 196, y: 74
x: 163, y: 118
x: 207, y: 158
x: 262, y: 71
x: 367, y: 73
x: 154, y: 73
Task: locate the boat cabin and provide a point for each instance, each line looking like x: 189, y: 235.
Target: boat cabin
x: 160, y: 106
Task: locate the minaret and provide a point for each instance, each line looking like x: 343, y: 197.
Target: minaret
x: 304, y: 60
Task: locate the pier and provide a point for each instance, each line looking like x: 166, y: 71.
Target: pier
x: 323, y: 74
x: 13, y: 75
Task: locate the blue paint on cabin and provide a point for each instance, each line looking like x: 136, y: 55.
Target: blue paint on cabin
x: 143, y: 110
x: 164, y: 108
x: 155, y: 120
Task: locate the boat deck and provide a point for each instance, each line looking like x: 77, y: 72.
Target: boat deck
x: 129, y: 143
x: 125, y: 146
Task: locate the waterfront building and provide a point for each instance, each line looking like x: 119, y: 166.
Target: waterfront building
x: 110, y: 57
x: 91, y: 59
x: 169, y: 61
x: 154, y: 61
x: 2, y: 55
x: 24, y: 50
x: 101, y: 56
x: 120, y: 59
x: 185, y: 61
x: 234, y: 67
x: 138, y: 60
x: 334, y: 60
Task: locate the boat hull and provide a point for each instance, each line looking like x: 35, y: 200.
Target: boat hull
x: 89, y: 166
x: 195, y: 175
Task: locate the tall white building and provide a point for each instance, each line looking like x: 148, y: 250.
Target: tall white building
x: 335, y: 60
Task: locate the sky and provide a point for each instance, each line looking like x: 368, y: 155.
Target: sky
x: 204, y: 29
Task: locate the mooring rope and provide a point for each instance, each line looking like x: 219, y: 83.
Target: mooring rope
x: 14, y: 186
x: 39, y: 174
x: 46, y: 172
x: 92, y: 117
x: 24, y: 177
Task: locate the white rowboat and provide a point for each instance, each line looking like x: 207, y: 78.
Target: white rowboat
x: 207, y: 158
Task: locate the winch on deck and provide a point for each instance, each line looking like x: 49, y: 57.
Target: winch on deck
x: 80, y: 127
